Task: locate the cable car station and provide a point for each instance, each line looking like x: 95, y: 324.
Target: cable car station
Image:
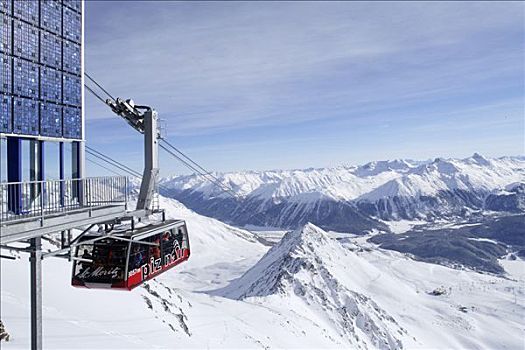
x: 110, y: 244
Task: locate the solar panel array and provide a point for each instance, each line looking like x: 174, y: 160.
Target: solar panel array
x: 40, y: 68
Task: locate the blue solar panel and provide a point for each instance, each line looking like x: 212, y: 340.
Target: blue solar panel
x: 5, y: 33
x: 40, y: 67
x: 51, y: 16
x: 74, y: 4
x: 72, y: 123
x: 72, y: 25
x: 26, y: 10
x: 50, y: 119
x: 6, y: 81
x: 25, y: 78
x: 71, y: 58
x: 50, y: 50
x: 25, y: 116
x: 25, y: 40
x: 50, y: 85
x: 5, y: 113
x: 72, y: 90
x: 6, y: 6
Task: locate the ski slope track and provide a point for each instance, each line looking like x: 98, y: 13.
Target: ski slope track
x: 352, y: 198
x: 312, y: 289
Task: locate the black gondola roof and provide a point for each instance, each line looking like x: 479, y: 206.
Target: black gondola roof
x: 139, y: 232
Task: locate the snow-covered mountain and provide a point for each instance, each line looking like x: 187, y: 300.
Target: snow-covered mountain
x: 352, y: 198
x: 313, y: 289
x: 314, y: 273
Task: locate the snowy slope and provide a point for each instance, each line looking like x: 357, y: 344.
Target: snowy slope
x: 308, y: 270
x: 376, y: 299
x: 308, y: 291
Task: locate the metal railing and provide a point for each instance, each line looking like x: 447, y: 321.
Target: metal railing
x: 40, y: 199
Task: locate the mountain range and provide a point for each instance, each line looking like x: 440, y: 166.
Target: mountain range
x: 358, y: 199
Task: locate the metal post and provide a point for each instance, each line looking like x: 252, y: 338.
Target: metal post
x: 36, y: 293
x: 33, y: 171
x: 36, y: 170
x: 14, y: 174
x: 77, y: 171
x: 61, y: 172
x: 151, y: 160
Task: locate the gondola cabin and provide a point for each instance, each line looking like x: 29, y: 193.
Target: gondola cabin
x: 126, y: 259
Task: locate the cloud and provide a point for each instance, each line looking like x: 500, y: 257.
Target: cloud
x: 231, y: 67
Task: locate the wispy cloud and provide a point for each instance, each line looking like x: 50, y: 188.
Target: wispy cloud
x: 245, y: 67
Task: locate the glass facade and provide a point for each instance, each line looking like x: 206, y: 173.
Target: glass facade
x: 40, y: 68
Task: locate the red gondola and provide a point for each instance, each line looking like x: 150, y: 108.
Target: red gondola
x: 126, y: 259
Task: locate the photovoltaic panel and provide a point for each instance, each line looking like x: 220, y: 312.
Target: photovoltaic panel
x: 6, y: 6
x: 26, y: 10
x: 72, y: 27
x: 50, y: 85
x: 51, y: 16
x: 71, y: 62
x: 72, y: 90
x: 50, y: 119
x: 72, y: 122
x: 74, y: 4
x: 5, y: 113
x: 51, y: 50
x: 25, y: 116
x: 25, y: 41
x: 40, y: 67
x: 25, y: 78
x: 6, y: 78
x: 5, y: 33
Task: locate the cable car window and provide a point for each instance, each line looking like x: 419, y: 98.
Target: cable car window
x: 138, y: 256
x: 145, y: 259
x: 169, y: 247
x: 105, y: 261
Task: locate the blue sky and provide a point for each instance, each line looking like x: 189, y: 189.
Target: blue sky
x: 266, y: 85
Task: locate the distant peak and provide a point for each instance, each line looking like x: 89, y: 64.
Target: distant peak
x: 478, y: 158
x: 309, y: 232
x: 311, y: 228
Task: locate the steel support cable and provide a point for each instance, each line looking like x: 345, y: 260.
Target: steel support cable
x: 207, y: 172
x: 167, y: 189
x: 217, y: 183
x: 200, y: 170
x: 99, y: 86
x: 191, y: 167
x: 117, y: 165
x: 214, y: 179
x: 112, y: 163
x: 113, y: 160
x: 94, y: 93
x: 203, y: 172
x: 102, y: 166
